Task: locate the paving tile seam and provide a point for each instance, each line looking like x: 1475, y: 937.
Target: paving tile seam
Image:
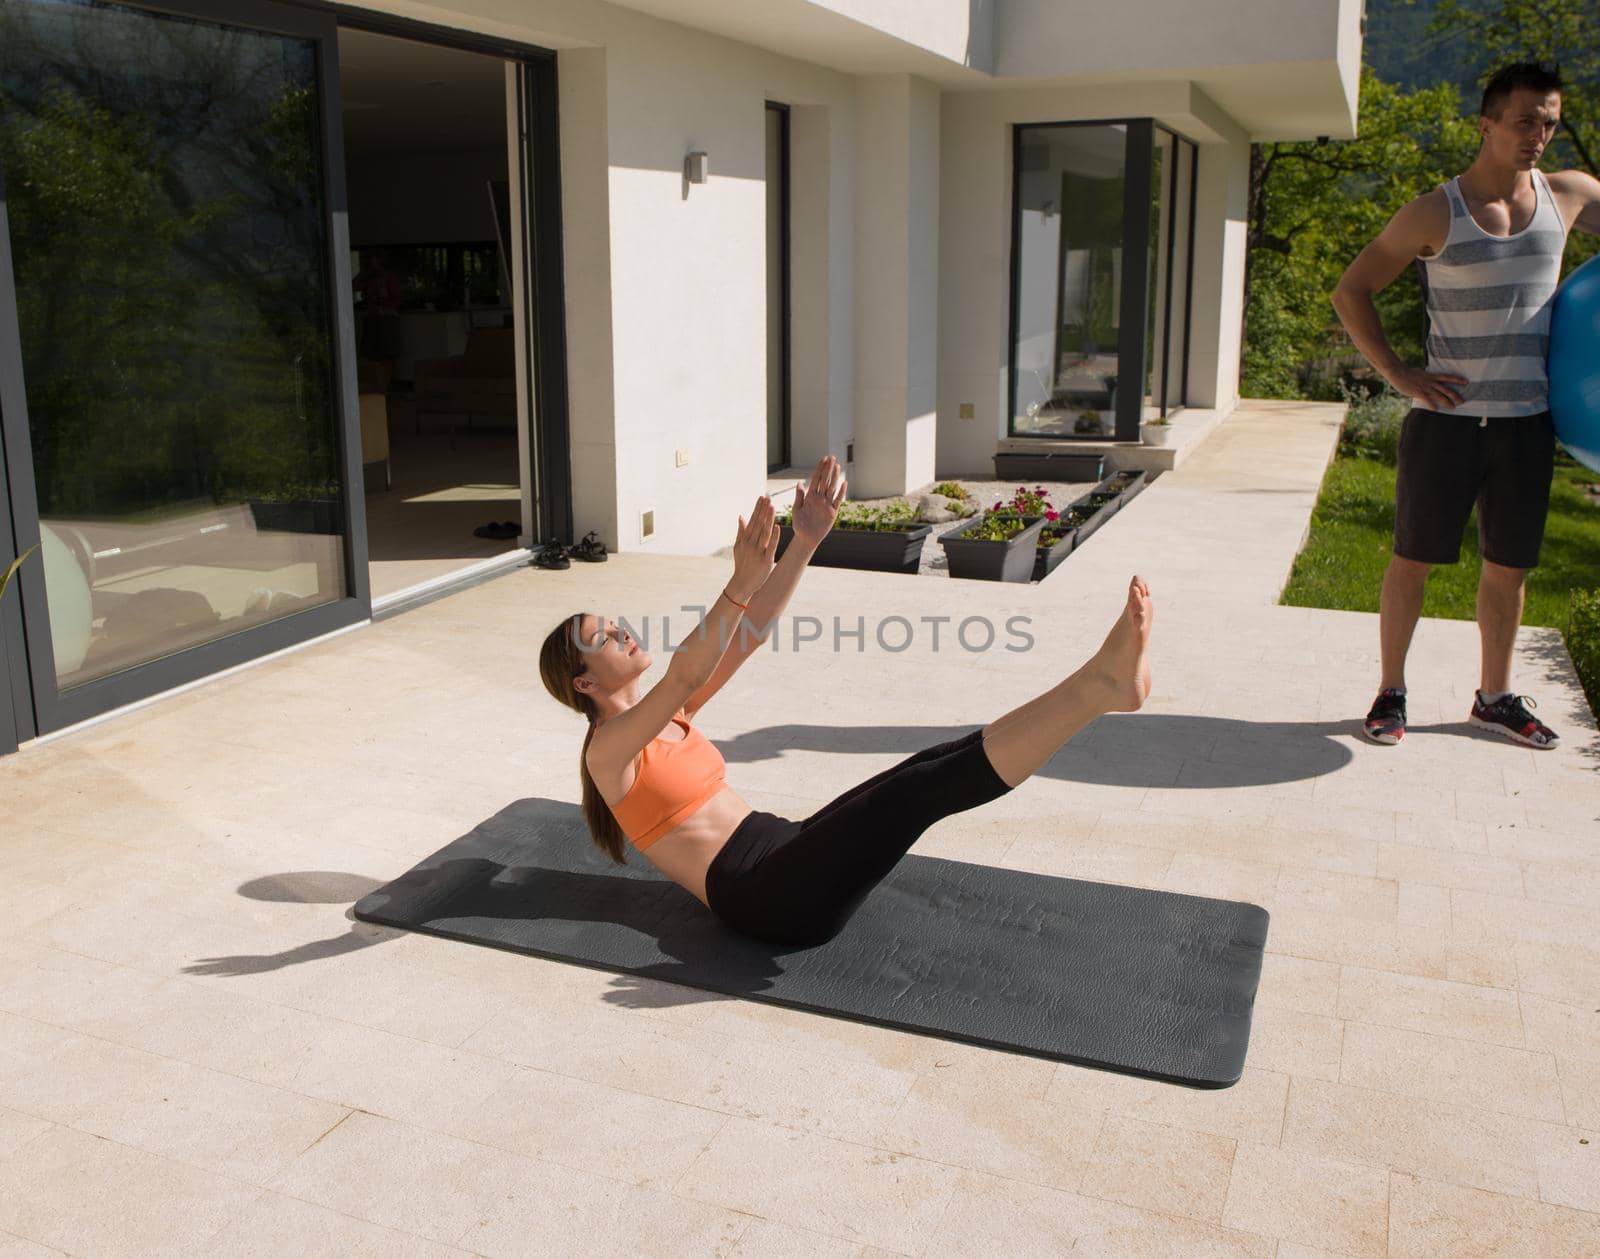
x: 501, y: 1151
x: 810, y: 1227
x: 160, y: 1156
x: 1561, y: 1087
x: 826, y: 1135
x: 1105, y: 1114
x: 1169, y: 1215
x: 322, y: 1016
x: 1474, y: 1107
x: 1455, y: 1111
x: 34, y: 1241
x: 1493, y: 1193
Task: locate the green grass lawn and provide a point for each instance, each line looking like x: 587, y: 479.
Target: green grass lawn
x: 1352, y: 531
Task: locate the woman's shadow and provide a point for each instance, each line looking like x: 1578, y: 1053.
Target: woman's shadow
x: 632, y: 917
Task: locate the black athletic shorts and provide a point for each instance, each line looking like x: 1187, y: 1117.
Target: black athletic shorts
x: 1449, y: 462
x: 798, y: 883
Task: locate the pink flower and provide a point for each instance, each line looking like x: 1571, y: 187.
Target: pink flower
x: 1051, y: 515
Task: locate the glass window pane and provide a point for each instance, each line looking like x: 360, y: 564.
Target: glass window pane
x: 1070, y: 184
x: 1160, y: 241
x: 164, y: 185
x: 1178, y: 326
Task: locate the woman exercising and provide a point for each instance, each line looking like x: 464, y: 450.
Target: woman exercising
x: 651, y: 778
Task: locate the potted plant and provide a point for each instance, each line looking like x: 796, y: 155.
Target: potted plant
x: 1104, y: 500
x: 1128, y: 485
x: 883, y: 539
x: 1057, y: 540
x: 1155, y: 432
x: 1002, y: 544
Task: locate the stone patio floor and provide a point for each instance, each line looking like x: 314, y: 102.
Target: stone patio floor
x: 202, y: 1053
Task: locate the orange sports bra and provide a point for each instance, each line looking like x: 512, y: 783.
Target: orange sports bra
x: 672, y: 781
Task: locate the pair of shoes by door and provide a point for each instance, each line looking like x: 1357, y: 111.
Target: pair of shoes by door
x: 500, y: 529
x: 551, y: 555
x: 590, y: 549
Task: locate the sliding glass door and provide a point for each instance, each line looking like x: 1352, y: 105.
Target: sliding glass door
x: 177, y: 367
x: 1101, y: 226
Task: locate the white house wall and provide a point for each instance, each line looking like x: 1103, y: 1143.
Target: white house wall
x: 896, y: 284
x: 900, y: 264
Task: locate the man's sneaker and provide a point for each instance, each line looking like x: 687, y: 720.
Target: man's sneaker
x: 1509, y: 716
x: 1386, y: 723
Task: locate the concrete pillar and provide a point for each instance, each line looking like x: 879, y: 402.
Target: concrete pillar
x: 586, y: 262
x: 896, y: 288
x: 821, y: 283
x: 1221, y: 223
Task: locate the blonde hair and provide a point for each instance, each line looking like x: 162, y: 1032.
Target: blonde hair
x: 561, y: 661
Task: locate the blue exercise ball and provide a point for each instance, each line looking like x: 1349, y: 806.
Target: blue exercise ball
x: 1574, y: 364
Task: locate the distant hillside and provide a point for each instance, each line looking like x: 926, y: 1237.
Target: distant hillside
x: 1400, y: 49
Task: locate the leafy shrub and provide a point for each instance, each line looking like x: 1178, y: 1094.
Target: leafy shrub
x: 897, y: 514
x: 996, y: 526
x: 1372, y: 424
x: 950, y: 489
x: 1583, y: 642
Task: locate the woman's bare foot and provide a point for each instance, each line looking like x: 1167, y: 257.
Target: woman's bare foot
x: 1124, y: 658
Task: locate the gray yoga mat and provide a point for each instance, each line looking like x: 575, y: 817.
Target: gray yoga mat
x: 1149, y: 983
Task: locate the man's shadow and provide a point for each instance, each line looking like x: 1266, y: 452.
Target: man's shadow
x: 1173, y: 750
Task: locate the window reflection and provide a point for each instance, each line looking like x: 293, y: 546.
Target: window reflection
x: 1070, y: 223
x: 163, y: 184
x: 1070, y: 185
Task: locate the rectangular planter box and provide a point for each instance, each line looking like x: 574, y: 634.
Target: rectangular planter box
x: 1063, y: 465
x: 1133, y: 489
x: 876, y: 550
x: 1047, y: 561
x: 1011, y: 560
x: 1047, y: 558
x: 311, y: 515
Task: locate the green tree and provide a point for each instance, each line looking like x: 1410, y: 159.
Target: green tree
x: 1313, y: 207
x: 1558, y: 31
x: 1562, y: 32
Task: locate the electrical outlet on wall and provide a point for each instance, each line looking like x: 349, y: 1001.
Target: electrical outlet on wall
x: 647, y: 523
x: 968, y: 411
x: 680, y: 457
x: 849, y: 452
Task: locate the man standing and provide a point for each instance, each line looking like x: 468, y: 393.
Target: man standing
x: 1490, y: 244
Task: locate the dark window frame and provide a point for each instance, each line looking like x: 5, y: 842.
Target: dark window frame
x: 33, y: 704
x: 782, y: 111
x: 1138, y: 150
x: 53, y: 710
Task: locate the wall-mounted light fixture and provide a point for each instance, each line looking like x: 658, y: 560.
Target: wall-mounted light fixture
x: 696, y: 167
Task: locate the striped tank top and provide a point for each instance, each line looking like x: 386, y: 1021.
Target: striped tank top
x: 1489, y: 307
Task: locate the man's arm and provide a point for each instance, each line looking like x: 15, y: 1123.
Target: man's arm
x: 1578, y: 194
x: 1417, y: 228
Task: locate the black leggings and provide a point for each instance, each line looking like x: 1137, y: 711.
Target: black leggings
x: 798, y: 882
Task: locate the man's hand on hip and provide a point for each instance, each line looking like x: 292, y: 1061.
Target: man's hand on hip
x: 1434, y: 389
